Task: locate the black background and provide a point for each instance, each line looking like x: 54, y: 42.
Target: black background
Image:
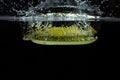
x: 56, y: 62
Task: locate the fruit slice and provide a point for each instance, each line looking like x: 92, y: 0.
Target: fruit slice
x: 71, y: 35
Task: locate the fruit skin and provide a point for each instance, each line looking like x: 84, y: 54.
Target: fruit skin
x: 63, y: 42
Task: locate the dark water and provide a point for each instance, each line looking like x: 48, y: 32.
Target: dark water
x: 55, y: 61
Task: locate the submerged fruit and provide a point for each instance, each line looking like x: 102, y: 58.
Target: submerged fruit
x: 61, y: 35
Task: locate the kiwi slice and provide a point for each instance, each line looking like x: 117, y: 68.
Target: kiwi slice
x: 64, y: 35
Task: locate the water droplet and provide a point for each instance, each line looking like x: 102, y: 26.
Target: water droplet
x: 46, y: 38
x: 82, y: 39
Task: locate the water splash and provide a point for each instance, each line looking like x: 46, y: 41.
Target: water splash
x: 23, y: 10
x: 59, y: 21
